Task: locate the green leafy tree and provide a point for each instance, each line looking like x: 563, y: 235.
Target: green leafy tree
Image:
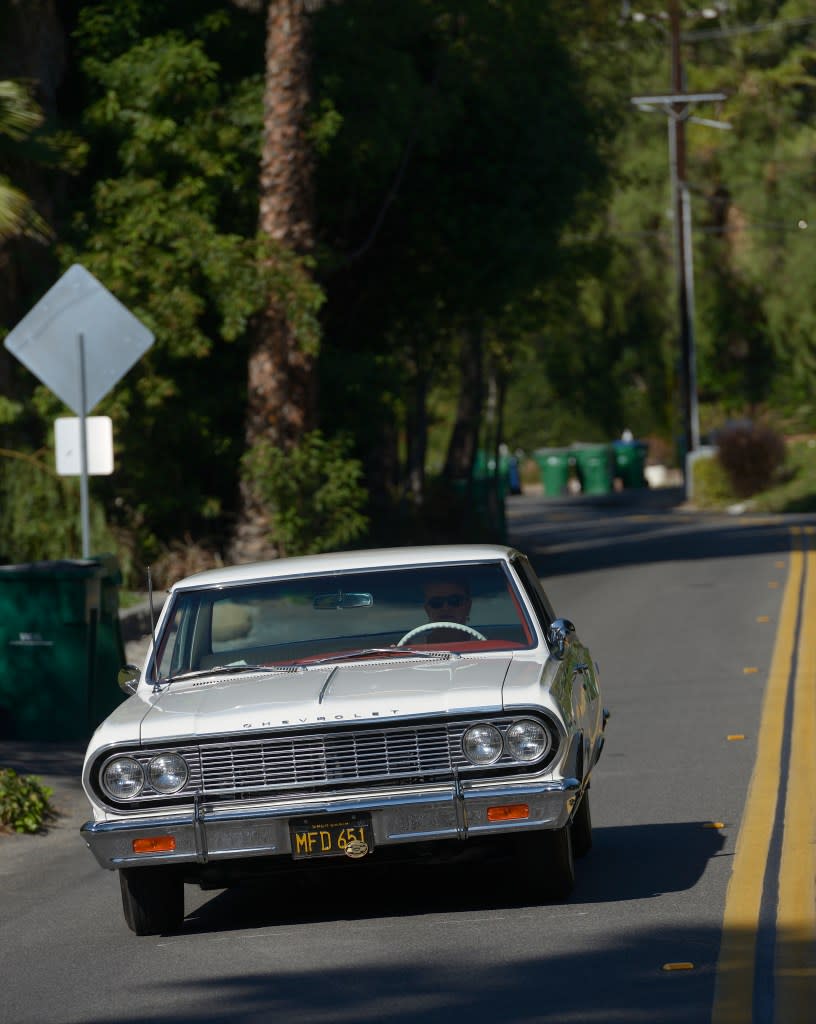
x: 313, y: 491
x: 765, y: 192
x: 464, y: 143
x: 20, y: 116
x: 170, y: 228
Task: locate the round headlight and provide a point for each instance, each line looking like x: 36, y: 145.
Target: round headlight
x: 167, y: 773
x: 123, y: 778
x: 527, y: 740
x: 482, y: 744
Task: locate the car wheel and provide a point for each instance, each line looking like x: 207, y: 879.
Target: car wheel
x: 546, y: 864
x: 582, y: 828
x: 152, y: 899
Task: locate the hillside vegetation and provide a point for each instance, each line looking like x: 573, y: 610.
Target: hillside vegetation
x: 476, y: 248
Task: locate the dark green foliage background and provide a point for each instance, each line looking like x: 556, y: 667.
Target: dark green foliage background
x: 478, y: 165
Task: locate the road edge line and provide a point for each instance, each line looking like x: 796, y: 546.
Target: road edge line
x: 734, y: 983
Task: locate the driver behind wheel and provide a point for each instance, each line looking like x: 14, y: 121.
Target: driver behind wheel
x: 446, y: 601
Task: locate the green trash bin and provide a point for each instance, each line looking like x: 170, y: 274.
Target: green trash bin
x: 630, y: 462
x: 484, y: 517
x: 554, y: 468
x: 595, y: 465
x: 61, y: 648
x: 485, y: 468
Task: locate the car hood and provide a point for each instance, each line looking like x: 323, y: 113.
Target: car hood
x: 337, y: 693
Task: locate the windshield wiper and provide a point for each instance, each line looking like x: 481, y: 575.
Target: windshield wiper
x: 223, y: 670
x: 388, y: 652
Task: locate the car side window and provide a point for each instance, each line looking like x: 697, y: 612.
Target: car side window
x: 535, y: 592
x: 175, y: 641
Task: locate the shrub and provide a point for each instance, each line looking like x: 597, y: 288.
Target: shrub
x: 751, y: 455
x: 711, y: 487
x: 24, y: 802
x: 183, y: 558
x: 313, y: 493
x: 40, y: 512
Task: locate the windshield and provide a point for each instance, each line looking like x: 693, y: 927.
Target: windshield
x: 311, y: 619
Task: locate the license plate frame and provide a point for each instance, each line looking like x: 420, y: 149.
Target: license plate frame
x: 331, y: 835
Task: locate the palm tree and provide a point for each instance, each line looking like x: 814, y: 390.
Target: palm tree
x: 281, y: 400
x: 19, y: 116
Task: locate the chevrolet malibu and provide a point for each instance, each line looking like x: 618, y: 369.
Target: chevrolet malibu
x: 331, y: 710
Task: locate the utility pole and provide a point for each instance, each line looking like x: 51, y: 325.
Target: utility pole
x: 677, y: 107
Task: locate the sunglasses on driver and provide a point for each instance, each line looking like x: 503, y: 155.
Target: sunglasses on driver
x: 451, y: 600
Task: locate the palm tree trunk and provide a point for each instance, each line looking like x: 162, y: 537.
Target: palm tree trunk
x: 281, y: 399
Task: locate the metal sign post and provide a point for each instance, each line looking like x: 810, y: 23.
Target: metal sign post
x: 84, y: 502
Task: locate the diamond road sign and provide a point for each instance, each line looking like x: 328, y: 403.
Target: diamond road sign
x: 78, y: 324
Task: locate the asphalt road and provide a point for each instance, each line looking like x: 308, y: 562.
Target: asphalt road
x: 682, y: 612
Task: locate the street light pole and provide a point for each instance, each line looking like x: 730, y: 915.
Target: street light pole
x: 676, y: 106
x: 681, y: 204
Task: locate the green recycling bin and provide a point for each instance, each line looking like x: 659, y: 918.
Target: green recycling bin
x: 630, y: 462
x: 595, y: 466
x: 484, y: 517
x: 554, y: 468
x: 61, y: 648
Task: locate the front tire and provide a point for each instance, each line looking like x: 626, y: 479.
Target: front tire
x: 546, y: 864
x: 152, y: 899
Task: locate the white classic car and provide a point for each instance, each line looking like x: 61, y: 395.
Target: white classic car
x: 333, y: 709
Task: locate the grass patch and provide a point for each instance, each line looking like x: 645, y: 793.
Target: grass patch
x: 795, y: 487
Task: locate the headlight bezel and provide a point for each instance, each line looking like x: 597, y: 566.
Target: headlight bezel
x: 512, y: 755
x: 147, y: 767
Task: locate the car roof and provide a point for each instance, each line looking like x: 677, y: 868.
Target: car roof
x: 343, y: 561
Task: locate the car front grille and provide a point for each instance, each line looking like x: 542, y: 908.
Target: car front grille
x: 306, y: 761
x: 323, y: 762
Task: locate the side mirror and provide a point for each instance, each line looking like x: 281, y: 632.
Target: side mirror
x: 558, y: 637
x: 128, y: 679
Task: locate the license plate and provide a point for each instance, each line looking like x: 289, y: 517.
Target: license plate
x: 348, y: 835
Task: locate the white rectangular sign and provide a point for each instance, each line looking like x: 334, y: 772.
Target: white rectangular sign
x: 98, y: 440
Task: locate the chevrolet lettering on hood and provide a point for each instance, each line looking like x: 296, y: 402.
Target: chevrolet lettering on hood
x: 309, y: 712
x: 318, y: 718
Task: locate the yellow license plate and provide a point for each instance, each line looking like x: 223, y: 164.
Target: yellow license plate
x: 346, y: 836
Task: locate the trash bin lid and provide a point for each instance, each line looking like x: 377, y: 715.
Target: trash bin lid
x: 61, y: 569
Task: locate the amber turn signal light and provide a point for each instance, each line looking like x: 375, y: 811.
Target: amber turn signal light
x: 155, y: 844
x: 509, y: 812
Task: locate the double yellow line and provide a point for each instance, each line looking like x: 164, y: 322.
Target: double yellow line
x: 785, y: 769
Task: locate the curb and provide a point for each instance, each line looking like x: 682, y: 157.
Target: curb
x: 135, y: 622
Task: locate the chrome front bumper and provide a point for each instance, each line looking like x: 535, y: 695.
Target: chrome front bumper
x: 209, y: 834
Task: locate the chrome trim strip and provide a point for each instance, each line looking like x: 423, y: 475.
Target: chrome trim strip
x: 460, y: 806
x: 199, y: 829
x: 440, y: 813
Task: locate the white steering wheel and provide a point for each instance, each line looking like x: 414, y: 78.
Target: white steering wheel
x: 440, y: 625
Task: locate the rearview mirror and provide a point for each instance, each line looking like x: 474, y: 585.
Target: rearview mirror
x: 339, y: 601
